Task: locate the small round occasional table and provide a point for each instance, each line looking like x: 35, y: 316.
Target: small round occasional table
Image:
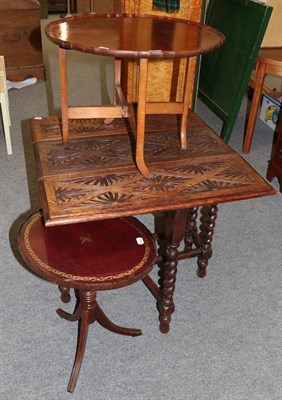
x: 130, y: 36
x: 88, y: 257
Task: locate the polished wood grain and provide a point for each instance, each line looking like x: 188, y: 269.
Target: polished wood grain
x: 166, y: 78
x: 20, y: 38
x: 95, y: 176
x: 133, y: 36
x: 89, y: 257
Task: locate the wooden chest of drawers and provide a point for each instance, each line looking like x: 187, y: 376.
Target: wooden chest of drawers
x: 20, y: 39
x: 57, y: 5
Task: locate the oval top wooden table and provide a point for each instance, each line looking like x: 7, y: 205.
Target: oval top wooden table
x: 140, y: 37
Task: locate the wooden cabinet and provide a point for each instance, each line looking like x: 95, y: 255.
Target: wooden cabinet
x: 20, y: 38
x: 57, y: 5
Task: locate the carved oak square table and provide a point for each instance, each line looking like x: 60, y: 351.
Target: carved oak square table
x: 138, y: 37
x: 95, y: 177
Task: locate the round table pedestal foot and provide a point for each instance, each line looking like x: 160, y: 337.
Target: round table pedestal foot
x: 164, y: 327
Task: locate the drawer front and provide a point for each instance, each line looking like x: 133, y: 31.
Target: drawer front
x: 20, y: 38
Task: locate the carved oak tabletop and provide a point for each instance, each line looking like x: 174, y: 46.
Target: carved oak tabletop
x: 137, y: 37
x: 95, y: 177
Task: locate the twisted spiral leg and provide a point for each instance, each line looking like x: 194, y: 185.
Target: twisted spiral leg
x: 191, y: 228
x: 175, y: 228
x: 206, y: 248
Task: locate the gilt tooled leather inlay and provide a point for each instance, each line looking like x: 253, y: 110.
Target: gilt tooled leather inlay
x: 85, y: 239
x: 34, y: 255
x: 95, y: 176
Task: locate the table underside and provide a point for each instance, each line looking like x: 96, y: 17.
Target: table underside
x: 95, y: 175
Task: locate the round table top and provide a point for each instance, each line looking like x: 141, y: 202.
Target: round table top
x: 134, y: 36
x: 100, y: 255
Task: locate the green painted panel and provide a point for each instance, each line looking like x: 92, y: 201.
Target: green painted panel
x: 225, y: 73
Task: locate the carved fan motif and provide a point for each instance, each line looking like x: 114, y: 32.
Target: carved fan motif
x: 95, y: 176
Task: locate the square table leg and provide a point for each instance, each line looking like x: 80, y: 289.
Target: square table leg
x: 64, y: 93
x: 185, y: 110
x: 124, y: 109
x: 260, y: 75
x: 141, y: 113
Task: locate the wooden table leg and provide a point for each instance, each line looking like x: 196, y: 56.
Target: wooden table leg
x: 191, y: 228
x: 64, y: 94
x: 141, y: 113
x: 65, y: 294
x: 88, y: 301
x: 117, y: 78
x: 69, y: 8
x: 206, y: 248
x: 88, y: 312
x: 175, y: 230
x: 260, y: 75
x: 186, y: 100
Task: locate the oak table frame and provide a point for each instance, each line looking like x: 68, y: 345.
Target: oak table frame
x: 129, y: 36
x: 95, y: 177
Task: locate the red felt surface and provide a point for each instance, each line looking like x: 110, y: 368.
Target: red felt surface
x: 99, y: 249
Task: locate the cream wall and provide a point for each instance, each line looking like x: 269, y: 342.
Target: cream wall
x: 273, y: 35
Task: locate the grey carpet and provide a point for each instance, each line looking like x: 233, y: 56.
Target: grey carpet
x: 225, y: 338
